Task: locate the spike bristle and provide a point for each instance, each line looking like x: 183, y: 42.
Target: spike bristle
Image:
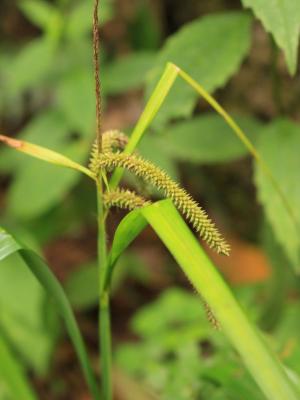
x: 124, y: 198
x: 182, y: 200
x: 113, y: 140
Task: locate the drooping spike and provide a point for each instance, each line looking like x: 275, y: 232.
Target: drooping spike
x: 182, y: 200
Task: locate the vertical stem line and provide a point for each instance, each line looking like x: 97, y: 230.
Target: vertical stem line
x: 96, y: 75
x: 104, y: 311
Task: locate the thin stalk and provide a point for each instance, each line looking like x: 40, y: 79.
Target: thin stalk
x: 96, y: 75
x: 243, y: 138
x: 104, y: 312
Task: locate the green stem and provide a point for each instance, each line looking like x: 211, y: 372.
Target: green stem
x: 104, y: 313
x: 105, y: 345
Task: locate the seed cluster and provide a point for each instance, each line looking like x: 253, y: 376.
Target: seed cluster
x: 182, y: 200
x: 125, y: 199
x: 111, y: 141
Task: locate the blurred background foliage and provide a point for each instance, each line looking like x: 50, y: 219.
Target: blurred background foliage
x: 47, y: 97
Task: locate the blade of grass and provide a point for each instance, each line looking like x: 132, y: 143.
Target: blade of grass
x: 128, y: 229
x: 173, y: 231
x: 157, y: 98
x: 243, y: 138
x: 8, y: 245
x: 45, y: 154
x: 177, y: 237
x: 169, y: 76
x: 13, y: 375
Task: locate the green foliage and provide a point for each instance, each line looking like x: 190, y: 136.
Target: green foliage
x: 59, y: 77
x: 40, y: 181
x: 278, y: 144
x: 206, y: 139
x: 13, y: 383
x: 183, y: 201
x: 39, y: 269
x: 282, y: 20
x: 26, y: 316
x: 165, y: 353
x: 211, y: 62
x: 36, y: 59
x: 128, y: 72
x: 82, y: 286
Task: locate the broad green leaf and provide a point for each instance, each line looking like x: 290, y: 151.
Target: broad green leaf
x: 24, y: 306
x: 175, y: 307
x: 39, y: 12
x: 279, y: 145
x: 282, y: 19
x: 44, y: 184
x: 76, y: 99
x: 171, y: 329
x: 172, y: 230
x: 207, y: 139
x: 36, y: 59
x: 157, y: 151
x: 13, y: 376
x: 43, y: 15
x: 43, y: 274
x: 127, y: 73
x: 211, y: 62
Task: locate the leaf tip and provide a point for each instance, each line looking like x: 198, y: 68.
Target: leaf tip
x: 14, y: 143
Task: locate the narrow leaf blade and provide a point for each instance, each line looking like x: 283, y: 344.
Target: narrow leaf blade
x: 172, y: 230
x: 44, y: 275
x: 44, y: 154
x: 13, y: 375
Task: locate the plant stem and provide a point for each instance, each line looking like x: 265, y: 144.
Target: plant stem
x: 104, y: 312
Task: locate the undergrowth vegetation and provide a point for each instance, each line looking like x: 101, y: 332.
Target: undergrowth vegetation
x: 164, y: 164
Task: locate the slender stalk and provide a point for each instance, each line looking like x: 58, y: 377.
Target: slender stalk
x: 96, y: 75
x: 243, y: 138
x: 104, y: 312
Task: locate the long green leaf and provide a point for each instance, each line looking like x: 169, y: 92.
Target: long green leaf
x: 157, y: 98
x: 129, y: 228
x: 173, y: 231
x: 13, y: 375
x: 160, y: 93
x: 8, y: 246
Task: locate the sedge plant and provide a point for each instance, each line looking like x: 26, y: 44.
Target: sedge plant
x: 111, y: 154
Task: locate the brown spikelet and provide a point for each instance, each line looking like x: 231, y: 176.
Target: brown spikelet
x: 211, y: 316
x: 125, y: 199
x: 94, y: 158
x: 113, y: 140
x: 182, y: 200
